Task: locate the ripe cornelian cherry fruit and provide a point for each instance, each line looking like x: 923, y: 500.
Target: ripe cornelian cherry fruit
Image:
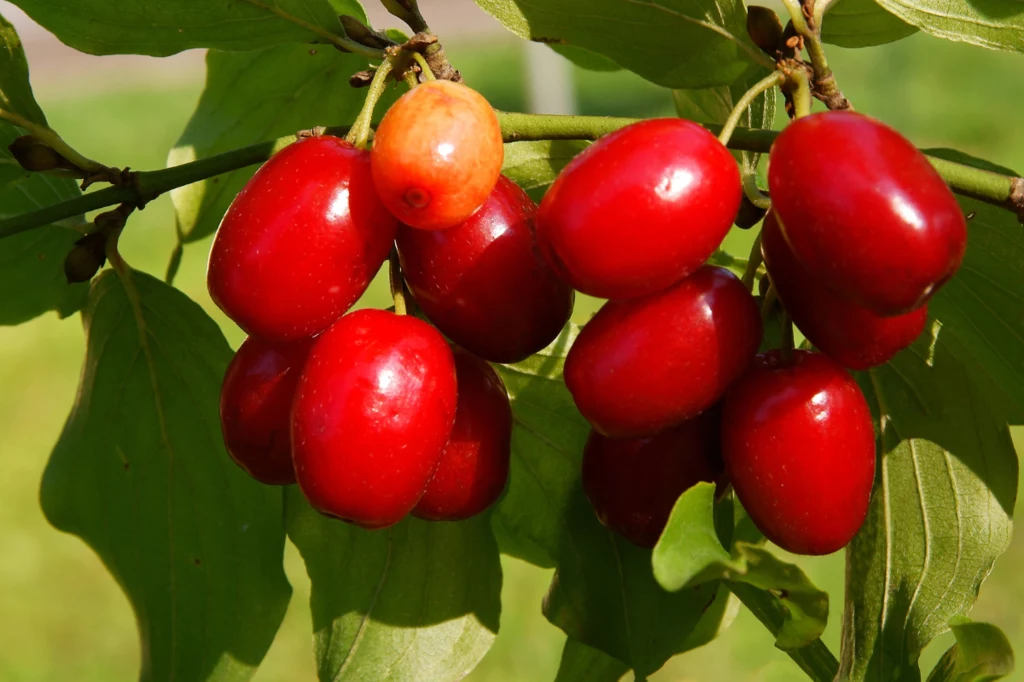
x: 633, y: 483
x: 437, y: 155
x: 373, y: 411
x: 255, y: 405
x: 483, y: 282
x: 639, y: 209
x: 474, y: 466
x: 851, y: 335
x: 864, y: 210
x: 301, y: 242
x: 799, y: 449
x: 646, y: 364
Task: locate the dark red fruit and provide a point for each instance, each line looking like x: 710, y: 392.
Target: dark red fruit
x: 301, y: 242
x: 437, y: 154
x: 373, y: 410
x: 647, y: 364
x: 474, y: 465
x: 799, y: 449
x: 639, y: 209
x: 633, y: 483
x: 483, y: 282
x: 255, y: 403
x: 864, y: 210
x: 851, y: 335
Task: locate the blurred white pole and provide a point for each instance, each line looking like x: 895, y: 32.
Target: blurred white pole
x: 549, y: 81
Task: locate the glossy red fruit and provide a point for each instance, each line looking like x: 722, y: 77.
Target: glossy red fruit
x: 864, y: 210
x: 643, y: 365
x: 639, y: 209
x: 799, y: 449
x: 633, y: 483
x: 437, y: 154
x: 474, y: 466
x: 483, y: 282
x: 255, y: 404
x: 373, y: 410
x: 851, y: 335
x: 301, y: 242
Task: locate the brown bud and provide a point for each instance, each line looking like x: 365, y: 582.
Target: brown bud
x: 35, y: 155
x: 765, y: 28
x: 363, y: 34
x: 86, y: 258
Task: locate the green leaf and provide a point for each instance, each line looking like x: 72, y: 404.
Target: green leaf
x: 141, y: 475
x: 690, y: 553
x: 996, y: 24
x: 603, y: 594
x: 674, y: 43
x: 585, y: 59
x: 581, y: 663
x: 170, y: 26
x: 981, y: 654
x: 251, y: 97
x: 980, y: 308
x: 862, y: 23
x: 940, y: 514
x: 547, y: 447
x: 418, y: 602
x: 31, y: 263
x: 535, y: 165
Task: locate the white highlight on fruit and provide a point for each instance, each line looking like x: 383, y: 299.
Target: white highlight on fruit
x: 339, y: 204
x: 675, y: 185
x: 907, y: 212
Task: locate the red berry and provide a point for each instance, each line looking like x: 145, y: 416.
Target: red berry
x: 255, y: 402
x: 474, y: 465
x: 799, y: 449
x: 373, y: 410
x: 301, y: 242
x: 437, y: 155
x: 643, y: 365
x: 851, y: 335
x: 639, y: 209
x: 483, y: 282
x: 633, y: 483
x: 864, y: 210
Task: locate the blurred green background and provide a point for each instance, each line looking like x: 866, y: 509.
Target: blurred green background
x: 63, y: 617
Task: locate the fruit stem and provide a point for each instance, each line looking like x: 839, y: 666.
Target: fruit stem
x: 428, y: 73
x: 397, y: 285
x: 766, y: 83
x: 360, y: 132
x: 753, y: 263
x: 770, y: 297
x: 753, y: 192
x: 801, y: 93
x: 992, y: 188
x: 806, y: 19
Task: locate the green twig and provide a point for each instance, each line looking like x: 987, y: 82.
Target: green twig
x: 992, y: 188
x: 360, y: 132
x: 801, y: 93
x: 753, y: 263
x: 49, y: 137
x: 428, y: 73
x: 815, y: 659
x: 397, y: 285
x: 752, y: 191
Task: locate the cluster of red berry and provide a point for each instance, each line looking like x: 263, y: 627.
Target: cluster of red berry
x: 861, y: 233
x: 372, y: 413
x: 375, y: 416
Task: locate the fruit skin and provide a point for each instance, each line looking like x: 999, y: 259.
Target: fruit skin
x: 639, y: 209
x: 474, y: 466
x: 864, y: 210
x: 301, y: 242
x: 851, y: 335
x: 633, y: 483
x: 437, y: 154
x: 643, y: 365
x: 799, y: 449
x: 483, y: 282
x: 255, y: 406
x: 373, y: 411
